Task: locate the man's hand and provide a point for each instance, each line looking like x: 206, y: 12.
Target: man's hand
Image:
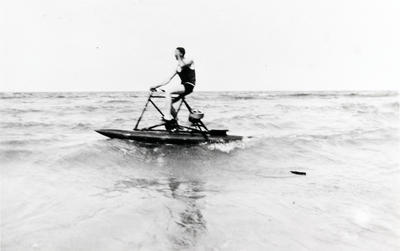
x: 154, y: 87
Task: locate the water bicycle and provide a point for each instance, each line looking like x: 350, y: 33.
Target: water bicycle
x: 171, y: 132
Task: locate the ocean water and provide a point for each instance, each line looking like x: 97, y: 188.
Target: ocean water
x: 65, y: 187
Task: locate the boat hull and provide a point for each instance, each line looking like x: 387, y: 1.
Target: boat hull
x: 167, y: 137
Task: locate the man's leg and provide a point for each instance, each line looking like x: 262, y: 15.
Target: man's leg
x: 173, y: 90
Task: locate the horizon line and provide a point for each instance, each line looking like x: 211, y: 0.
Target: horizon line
x: 331, y: 90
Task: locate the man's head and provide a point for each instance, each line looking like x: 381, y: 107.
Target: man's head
x: 179, y: 52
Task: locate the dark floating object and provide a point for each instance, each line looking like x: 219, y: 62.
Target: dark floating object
x: 298, y: 173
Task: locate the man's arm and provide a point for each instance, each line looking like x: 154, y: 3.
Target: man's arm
x: 153, y: 88
x: 185, y: 62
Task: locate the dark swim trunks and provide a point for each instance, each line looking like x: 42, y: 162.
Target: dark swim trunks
x: 188, y: 78
x: 188, y: 88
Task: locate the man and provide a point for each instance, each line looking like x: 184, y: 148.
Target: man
x: 185, y: 70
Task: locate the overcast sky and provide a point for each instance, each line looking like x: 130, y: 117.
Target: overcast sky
x: 127, y: 45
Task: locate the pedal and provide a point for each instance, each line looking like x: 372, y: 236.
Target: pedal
x: 170, y: 125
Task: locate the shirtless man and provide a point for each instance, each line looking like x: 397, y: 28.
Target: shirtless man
x: 185, y: 70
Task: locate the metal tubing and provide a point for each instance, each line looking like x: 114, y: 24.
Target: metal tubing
x: 141, y: 115
x: 151, y: 101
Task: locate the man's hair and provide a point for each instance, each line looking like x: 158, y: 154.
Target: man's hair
x: 181, y: 50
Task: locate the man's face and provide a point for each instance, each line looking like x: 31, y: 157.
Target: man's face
x: 177, y: 54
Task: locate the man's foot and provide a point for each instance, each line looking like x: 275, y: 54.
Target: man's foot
x: 170, y: 124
